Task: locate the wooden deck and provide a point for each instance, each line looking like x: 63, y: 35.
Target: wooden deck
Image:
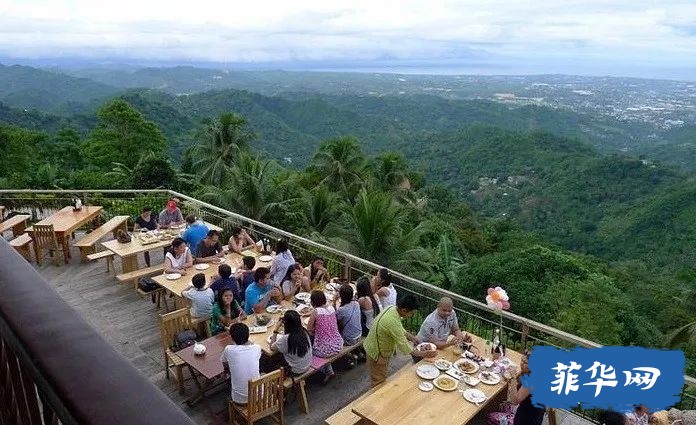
x: 130, y: 324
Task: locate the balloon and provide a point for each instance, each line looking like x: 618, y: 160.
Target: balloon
x: 506, y: 305
x: 497, y: 298
x: 490, y: 291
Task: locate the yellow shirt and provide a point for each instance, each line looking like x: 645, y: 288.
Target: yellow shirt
x: 387, y: 335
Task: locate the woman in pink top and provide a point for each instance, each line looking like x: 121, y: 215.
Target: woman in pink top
x: 324, y: 327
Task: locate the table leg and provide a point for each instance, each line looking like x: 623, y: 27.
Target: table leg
x: 194, y: 399
x: 63, y: 240
x: 129, y: 263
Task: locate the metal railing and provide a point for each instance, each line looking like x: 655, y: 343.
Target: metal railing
x: 474, y: 316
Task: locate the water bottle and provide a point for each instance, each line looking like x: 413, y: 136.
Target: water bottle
x: 496, y: 339
x: 504, y: 420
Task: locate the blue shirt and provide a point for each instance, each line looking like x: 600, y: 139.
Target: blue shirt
x: 230, y: 282
x: 194, y: 235
x: 253, y: 295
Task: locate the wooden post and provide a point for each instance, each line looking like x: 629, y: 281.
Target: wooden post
x: 346, y: 269
x: 525, y: 334
x: 552, y: 416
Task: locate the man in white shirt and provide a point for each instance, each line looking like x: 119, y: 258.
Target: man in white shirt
x: 242, y: 358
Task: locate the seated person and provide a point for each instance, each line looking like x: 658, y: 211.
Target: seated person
x: 348, y: 316
x: 294, y: 344
x: 281, y: 262
x: 225, y: 312
x: 146, y: 221
x: 294, y: 282
x: 242, y: 360
x: 240, y: 240
x: 225, y: 280
x: 639, y: 415
x: 209, y: 249
x: 202, y: 298
x: 195, y: 232
x: 178, y: 257
x: 440, y: 324
x: 245, y: 275
x: 316, y: 273
x: 171, y: 215
x: 259, y: 294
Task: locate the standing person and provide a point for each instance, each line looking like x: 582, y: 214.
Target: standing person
x: 383, y: 288
x: 209, y: 250
x: 369, y: 306
x: 225, y: 312
x: 195, y: 232
x: 294, y: 344
x: 293, y: 282
x: 171, y: 215
x: 245, y: 275
x: 281, y: 262
x: 242, y: 359
x: 527, y: 413
x: 388, y: 335
x: 260, y: 293
x: 323, y: 325
x: 178, y: 257
x: 240, y: 240
x: 440, y: 324
x: 146, y: 221
x: 316, y: 273
x: 202, y: 298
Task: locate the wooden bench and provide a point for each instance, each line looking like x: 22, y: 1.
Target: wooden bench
x: 17, y: 223
x: 21, y: 243
x: 109, y: 255
x: 88, y: 242
x: 137, y: 274
x: 298, y: 382
x: 346, y: 416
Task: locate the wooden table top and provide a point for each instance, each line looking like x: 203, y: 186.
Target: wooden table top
x: 209, y: 364
x: 67, y: 220
x: 13, y: 221
x: 399, y: 401
x: 177, y: 286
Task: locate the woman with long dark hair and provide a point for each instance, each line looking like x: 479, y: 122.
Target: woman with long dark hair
x: 225, y: 311
x: 178, y: 257
x: 294, y: 344
x: 293, y: 282
x: 281, y: 262
x: 383, y: 288
x: 316, y: 273
x: 369, y: 307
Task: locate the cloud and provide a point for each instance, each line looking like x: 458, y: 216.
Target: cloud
x: 313, y: 30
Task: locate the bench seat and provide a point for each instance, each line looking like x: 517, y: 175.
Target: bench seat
x: 21, y: 244
x: 137, y: 274
x: 109, y: 255
x: 16, y: 223
x: 87, y: 244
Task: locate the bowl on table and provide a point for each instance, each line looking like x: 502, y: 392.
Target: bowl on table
x: 426, y: 346
x: 263, y: 319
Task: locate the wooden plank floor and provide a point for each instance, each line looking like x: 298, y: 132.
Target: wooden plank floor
x: 130, y: 324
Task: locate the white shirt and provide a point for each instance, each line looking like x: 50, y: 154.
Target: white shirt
x: 243, y: 361
x: 180, y: 261
x: 280, y: 266
x: 390, y: 299
x: 201, y: 301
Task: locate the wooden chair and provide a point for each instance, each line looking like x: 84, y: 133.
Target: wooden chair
x: 265, y: 399
x: 45, y: 239
x: 170, y: 326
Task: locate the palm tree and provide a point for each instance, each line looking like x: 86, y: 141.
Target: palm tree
x: 390, y: 170
x: 340, y: 165
x: 374, y: 228
x: 250, y: 191
x: 687, y: 333
x: 219, y: 147
x: 320, y: 207
x: 446, y: 265
x: 121, y: 175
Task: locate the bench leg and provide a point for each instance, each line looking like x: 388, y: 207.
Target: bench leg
x: 302, y: 399
x: 85, y: 251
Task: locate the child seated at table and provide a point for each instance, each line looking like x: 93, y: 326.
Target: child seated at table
x: 223, y: 280
x: 226, y: 311
x: 202, y: 298
x: 242, y: 359
x: 245, y: 275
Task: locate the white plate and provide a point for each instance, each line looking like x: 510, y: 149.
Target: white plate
x: 265, y: 258
x: 426, y: 346
x: 425, y: 386
x: 459, y: 362
x: 471, y: 380
x: 273, y: 309
x: 173, y: 276
x: 487, y: 363
x: 442, y: 364
x: 489, y: 378
x: 427, y: 371
x: 455, y: 373
x: 438, y: 382
x: 475, y: 396
x: 304, y: 309
x: 303, y: 296
x: 258, y: 329
x: 201, y: 266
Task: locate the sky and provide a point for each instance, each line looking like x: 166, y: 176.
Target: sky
x: 615, y: 37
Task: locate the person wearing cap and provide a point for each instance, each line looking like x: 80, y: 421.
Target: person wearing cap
x: 171, y: 215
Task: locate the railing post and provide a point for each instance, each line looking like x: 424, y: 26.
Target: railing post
x: 346, y: 269
x: 525, y: 334
x: 552, y: 416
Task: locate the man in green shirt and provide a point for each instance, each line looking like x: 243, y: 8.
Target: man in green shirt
x: 388, y: 335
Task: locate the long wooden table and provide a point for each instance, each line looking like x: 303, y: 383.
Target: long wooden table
x: 65, y: 222
x: 399, y: 401
x: 128, y: 252
x: 177, y: 286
